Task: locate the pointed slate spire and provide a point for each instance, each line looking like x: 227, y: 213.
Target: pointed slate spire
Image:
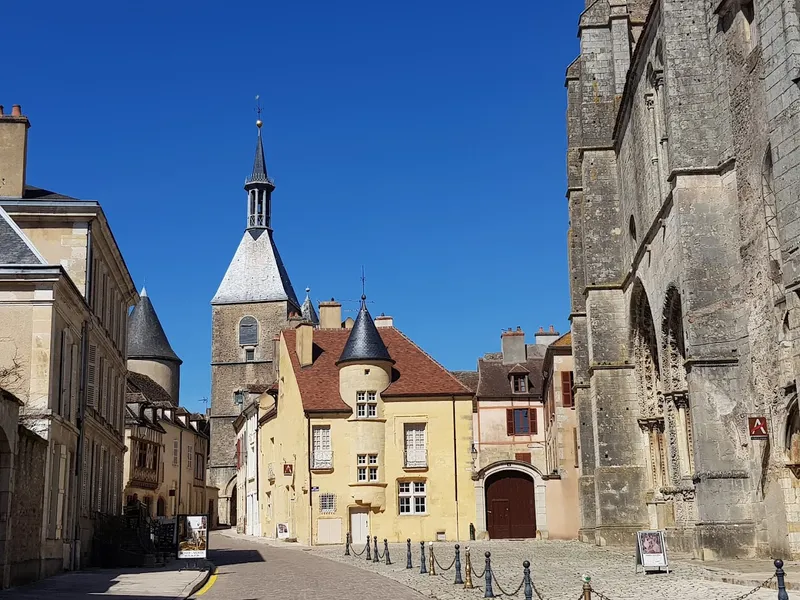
x: 259, y: 174
x: 146, y: 337
x: 259, y: 189
x: 364, y: 343
x: 307, y: 310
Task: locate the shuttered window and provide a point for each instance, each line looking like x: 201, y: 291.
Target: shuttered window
x: 521, y: 421
x: 523, y: 456
x: 534, y: 421
x: 566, y: 389
x: 248, y: 332
x: 91, y: 380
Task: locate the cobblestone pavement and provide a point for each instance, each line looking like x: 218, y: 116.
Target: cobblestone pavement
x: 255, y: 570
x: 556, y: 570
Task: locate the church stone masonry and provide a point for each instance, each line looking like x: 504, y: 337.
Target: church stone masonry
x: 684, y: 189
x: 251, y: 307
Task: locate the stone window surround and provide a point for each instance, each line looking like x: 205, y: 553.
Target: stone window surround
x: 540, y: 501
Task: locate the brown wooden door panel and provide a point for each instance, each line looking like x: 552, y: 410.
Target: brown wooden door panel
x: 511, y: 512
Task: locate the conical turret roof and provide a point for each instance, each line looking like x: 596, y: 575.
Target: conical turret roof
x: 259, y: 174
x: 307, y: 310
x: 146, y: 337
x: 364, y: 343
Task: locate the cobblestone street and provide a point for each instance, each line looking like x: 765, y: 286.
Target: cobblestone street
x: 556, y: 570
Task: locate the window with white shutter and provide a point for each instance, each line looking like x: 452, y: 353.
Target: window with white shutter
x: 73, y: 381
x: 321, y: 442
x: 416, y: 455
x: 91, y: 379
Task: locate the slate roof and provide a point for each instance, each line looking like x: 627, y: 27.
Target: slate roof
x: 469, y: 379
x: 364, y: 343
x: 307, y: 310
x: 143, y: 387
x: 495, y: 378
x: 256, y: 273
x: 15, y: 247
x: 259, y: 174
x: 415, y: 373
x: 35, y: 193
x: 146, y: 337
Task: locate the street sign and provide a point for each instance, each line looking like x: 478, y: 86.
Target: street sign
x: 758, y: 428
x: 315, y: 488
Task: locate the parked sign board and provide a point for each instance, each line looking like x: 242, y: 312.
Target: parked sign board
x: 193, y: 536
x: 651, y: 551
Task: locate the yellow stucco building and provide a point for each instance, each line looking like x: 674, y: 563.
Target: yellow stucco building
x: 368, y: 435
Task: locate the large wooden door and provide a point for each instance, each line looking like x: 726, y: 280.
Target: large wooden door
x: 510, y: 509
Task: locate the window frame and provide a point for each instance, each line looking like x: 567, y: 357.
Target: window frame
x: 518, y: 384
x: 367, y: 468
x: 532, y: 421
x: 366, y: 404
x: 327, y: 503
x: 413, y: 495
x: 248, y: 321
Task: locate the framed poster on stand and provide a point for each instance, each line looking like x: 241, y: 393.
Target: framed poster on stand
x: 192, y: 537
x: 651, y: 551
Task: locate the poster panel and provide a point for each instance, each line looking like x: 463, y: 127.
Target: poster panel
x: 651, y: 550
x: 192, y: 536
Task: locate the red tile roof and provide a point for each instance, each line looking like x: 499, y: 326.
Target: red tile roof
x: 415, y: 373
x: 564, y: 340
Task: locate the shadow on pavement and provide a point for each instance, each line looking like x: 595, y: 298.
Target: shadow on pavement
x: 234, y: 557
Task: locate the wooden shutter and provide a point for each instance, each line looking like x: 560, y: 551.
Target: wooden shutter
x: 510, y: 421
x: 566, y: 389
x: 523, y: 456
x: 534, y: 421
x: 91, y: 381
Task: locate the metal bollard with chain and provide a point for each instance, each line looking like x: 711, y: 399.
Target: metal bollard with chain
x: 347, y: 544
x: 526, y: 580
x: 387, y: 560
x: 458, y: 580
x: 375, y: 541
x: 369, y: 556
x: 782, y: 595
x: 432, y: 568
x: 408, y: 554
x: 488, y: 592
x: 587, y: 588
x: 467, y: 571
x: 423, y: 568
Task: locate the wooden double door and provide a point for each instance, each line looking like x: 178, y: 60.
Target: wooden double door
x: 510, y: 506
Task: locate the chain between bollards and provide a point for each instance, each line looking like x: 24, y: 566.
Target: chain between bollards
x: 347, y: 544
x: 386, y: 552
x: 377, y: 558
x: 587, y: 588
x: 782, y: 595
x: 458, y: 580
x: 423, y: 568
x: 488, y: 592
x: 408, y: 554
x: 526, y: 580
x: 369, y: 556
x: 432, y: 567
x: 467, y: 571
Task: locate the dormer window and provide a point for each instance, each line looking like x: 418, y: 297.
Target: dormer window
x: 519, y: 384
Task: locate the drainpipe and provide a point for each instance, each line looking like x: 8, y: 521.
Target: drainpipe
x: 180, y: 473
x: 455, y: 469
x: 258, y: 487
x: 310, y: 494
x: 75, y: 557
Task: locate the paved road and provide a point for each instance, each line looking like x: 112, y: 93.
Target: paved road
x: 254, y: 571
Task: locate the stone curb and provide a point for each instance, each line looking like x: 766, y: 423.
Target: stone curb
x: 751, y: 583
x: 212, y: 568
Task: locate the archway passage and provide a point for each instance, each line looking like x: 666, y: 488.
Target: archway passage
x: 232, y: 508
x: 510, y: 506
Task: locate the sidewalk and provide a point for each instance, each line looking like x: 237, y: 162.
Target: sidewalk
x: 167, y: 583
x: 748, y: 572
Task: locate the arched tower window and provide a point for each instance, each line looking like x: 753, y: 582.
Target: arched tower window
x: 648, y: 379
x: 248, y: 331
x: 792, y: 443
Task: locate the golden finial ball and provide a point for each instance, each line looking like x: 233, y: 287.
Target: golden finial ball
x: 259, y: 123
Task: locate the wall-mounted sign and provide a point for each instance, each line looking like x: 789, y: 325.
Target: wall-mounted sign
x: 288, y: 469
x: 283, y: 531
x: 651, y: 551
x: 315, y: 488
x: 758, y: 428
x: 192, y: 536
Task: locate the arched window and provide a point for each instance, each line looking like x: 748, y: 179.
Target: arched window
x: 248, y: 332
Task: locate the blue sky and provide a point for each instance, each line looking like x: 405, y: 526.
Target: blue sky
x: 422, y: 140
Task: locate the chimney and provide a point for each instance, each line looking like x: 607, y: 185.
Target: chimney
x: 384, y: 321
x: 330, y: 315
x: 13, y: 152
x: 545, y: 338
x: 348, y: 323
x: 304, y: 343
x: 513, y: 344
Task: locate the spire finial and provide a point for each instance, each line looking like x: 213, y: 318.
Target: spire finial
x: 259, y: 122
x: 363, y: 284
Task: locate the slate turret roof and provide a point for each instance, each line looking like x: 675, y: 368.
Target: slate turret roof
x: 364, y: 343
x: 307, y: 310
x: 146, y: 337
x: 259, y: 174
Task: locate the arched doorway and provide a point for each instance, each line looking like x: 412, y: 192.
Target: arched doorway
x: 161, y: 508
x: 232, y: 506
x: 510, y: 505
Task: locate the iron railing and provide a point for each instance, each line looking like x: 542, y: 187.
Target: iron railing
x: 416, y: 458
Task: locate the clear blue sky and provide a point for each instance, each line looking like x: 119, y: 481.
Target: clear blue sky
x: 423, y: 140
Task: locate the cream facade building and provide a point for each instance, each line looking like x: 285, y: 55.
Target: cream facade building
x: 368, y: 435
x: 65, y: 291
x: 247, y: 475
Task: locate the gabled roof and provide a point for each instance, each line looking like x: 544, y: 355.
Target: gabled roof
x: 256, y: 273
x: 518, y: 369
x: 15, y: 247
x: 469, y: 379
x: 495, y: 379
x: 565, y: 341
x: 414, y: 373
x: 364, y: 342
x: 142, y: 386
x: 146, y: 337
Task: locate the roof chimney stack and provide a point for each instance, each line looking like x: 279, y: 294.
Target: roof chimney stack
x: 330, y: 315
x: 13, y: 152
x: 545, y: 338
x: 513, y: 345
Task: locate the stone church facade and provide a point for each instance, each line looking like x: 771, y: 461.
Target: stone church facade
x: 250, y: 309
x: 684, y: 202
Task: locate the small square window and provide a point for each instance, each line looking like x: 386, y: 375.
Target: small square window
x: 249, y: 355
x: 361, y: 410
x: 372, y: 410
x: 405, y: 487
x: 362, y: 473
x: 362, y: 459
x: 360, y: 396
x: 327, y: 503
x: 373, y: 473
x: 371, y: 396
x: 373, y: 459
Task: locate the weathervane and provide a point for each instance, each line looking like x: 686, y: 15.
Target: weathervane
x: 259, y: 122
x: 363, y: 283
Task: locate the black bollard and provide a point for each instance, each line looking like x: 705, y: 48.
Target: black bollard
x: 458, y: 580
x: 386, y: 551
x: 375, y: 541
x: 369, y: 556
x: 527, y: 579
x: 422, y: 567
x: 782, y: 595
x: 347, y: 544
x: 408, y: 554
x: 488, y: 592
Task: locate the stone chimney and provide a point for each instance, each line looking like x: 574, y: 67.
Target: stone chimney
x: 545, y: 338
x: 384, y: 321
x: 304, y: 343
x: 330, y: 315
x: 513, y: 343
x: 349, y: 322
x: 13, y: 152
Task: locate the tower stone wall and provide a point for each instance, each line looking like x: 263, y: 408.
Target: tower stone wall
x: 683, y: 271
